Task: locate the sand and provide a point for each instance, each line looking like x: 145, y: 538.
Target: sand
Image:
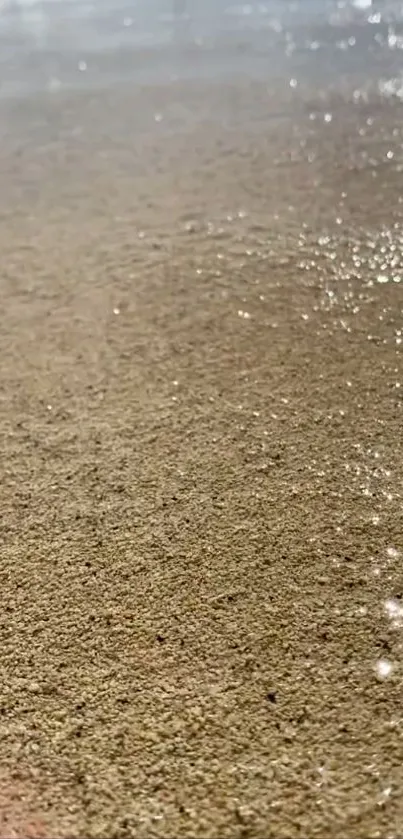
x: 201, y: 515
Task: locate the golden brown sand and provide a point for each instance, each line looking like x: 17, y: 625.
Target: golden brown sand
x: 201, y: 516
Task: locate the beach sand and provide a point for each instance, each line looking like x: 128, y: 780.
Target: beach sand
x: 200, y: 411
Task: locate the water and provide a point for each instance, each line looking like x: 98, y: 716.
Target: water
x: 49, y: 44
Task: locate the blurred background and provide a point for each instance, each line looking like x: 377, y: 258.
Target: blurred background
x: 48, y: 44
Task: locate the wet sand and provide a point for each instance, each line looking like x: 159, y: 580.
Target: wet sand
x: 200, y: 411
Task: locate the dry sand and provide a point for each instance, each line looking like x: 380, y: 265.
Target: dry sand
x: 201, y: 515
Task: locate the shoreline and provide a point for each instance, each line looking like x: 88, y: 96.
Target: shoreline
x: 200, y: 407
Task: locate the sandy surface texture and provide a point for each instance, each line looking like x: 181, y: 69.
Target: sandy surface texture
x: 201, y: 463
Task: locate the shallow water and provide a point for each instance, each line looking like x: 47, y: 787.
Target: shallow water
x: 57, y: 44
